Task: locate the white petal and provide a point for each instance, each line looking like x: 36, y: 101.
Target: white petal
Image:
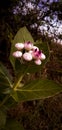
x: 38, y: 62
x: 42, y: 56
x: 27, y: 56
x: 17, y: 54
x: 35, y: 47
x: 19, y: 46
x: 30, y: 51
x: 28, y: 46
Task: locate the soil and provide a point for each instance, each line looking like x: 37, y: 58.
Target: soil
x: 39, y: 115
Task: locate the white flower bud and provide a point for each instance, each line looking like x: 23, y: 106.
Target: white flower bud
x: 36, y: 54
x: 28, y: 45
x: 17, y: 54
x: 35, y: 47
x: 27, y: 56
x: 38, y: 62
x: 19, y: 46
x: 42, y: 57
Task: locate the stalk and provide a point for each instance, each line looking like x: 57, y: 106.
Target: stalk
x: 19, y: 79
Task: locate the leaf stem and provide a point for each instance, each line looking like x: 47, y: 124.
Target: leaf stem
x: 16, y: 84
x: 19, y: 79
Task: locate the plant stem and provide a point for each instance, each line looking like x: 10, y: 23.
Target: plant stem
x: 19, y: 79
x: 16, y: 84
x: 4, y: 100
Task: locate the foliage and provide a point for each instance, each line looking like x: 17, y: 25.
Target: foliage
x: 18, y: 90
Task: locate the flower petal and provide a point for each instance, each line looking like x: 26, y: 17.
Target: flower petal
x: 38, y: 62
x: 27, y: 56
x: 17, y: 54
x: 28, y: 45
x: 42, y: 57
x: 19, y: 46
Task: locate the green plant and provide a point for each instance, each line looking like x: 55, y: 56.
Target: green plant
x: 12, y: 89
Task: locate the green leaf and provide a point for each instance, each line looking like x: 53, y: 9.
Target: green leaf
x: 2, y: 119
x: 22, y: 35
x: 4, y: 87
x: 20, y: 68
x: 37, y: 89
x: 5, y: 74
x: 13, y: 125
x: 3, y: 80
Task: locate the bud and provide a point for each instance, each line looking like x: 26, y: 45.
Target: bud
x: 42, y: 57
x: 35, y: 47
x: 28, y: 45
x: 36, y: 54
x: 17, y: 54
x: 19, y: 46
x: 38, y: 62
x: 27, y: 56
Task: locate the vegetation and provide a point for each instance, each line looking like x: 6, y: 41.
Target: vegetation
x: 32, y: 97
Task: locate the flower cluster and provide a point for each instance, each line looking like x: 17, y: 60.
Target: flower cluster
x: 29, y: 52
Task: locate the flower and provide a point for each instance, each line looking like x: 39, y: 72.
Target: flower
x: 36, y: 54
x: 28, y: 45
x: 17, y: 54
x: 19, y: 46
x: 27, y: 51
x: 35, y: 47
x: 27, y: 56
x: 38, y: 62
x: 42, y: 57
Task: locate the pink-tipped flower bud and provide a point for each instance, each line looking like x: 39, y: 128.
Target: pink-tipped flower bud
x: 35, y: 47
x: 42, y: 57
x: 27, y: 56
x: 36, y: 54
x: 17, y: 54
x: 19, y: 46
x: 38, y: 62
x: 28, y: 45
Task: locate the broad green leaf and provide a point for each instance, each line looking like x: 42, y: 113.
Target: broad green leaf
x: 22, y: 35
x: 13, y: 125
x: 5, y: 74
x: 4, y: 87
x: 37, y: 89
x: 20, y: 68
x: 3, y: 80
x: 2, y: 119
